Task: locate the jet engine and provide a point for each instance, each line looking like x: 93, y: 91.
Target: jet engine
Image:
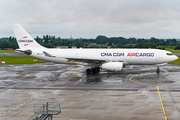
x: 112, y: 66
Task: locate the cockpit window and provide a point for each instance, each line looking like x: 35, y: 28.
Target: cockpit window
x: 170, y: 54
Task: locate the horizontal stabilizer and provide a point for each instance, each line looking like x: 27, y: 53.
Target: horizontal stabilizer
x: 27, y: 52
x: 47, y: 54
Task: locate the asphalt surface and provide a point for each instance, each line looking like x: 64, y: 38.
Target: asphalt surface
x: 58, y: 76
x: 135, y: 93
x: 12, y: 54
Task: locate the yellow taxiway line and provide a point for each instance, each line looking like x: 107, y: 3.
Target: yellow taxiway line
x: 161, y: 104
x: 22, y: 77
x: 72, y: 72
x: 151, y: 84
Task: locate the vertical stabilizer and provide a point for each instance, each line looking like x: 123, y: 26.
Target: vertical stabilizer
x: 24, y: 40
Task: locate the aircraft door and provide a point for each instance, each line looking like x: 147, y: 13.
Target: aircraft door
x: 160, y: 55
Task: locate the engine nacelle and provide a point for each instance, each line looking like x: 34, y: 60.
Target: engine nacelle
x: 112, y: 66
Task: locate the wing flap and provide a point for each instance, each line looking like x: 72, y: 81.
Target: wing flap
x: 90, y: 60
x: 86, y: 60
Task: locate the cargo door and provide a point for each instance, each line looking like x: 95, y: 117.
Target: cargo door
x: 160, y: 55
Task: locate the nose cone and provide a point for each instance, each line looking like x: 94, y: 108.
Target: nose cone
x: 175, y: 58
x: 172, y: 58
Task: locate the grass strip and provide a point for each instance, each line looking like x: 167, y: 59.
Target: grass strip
x: 20, y: 60
x: 7, y: 51
x: 174, y: 51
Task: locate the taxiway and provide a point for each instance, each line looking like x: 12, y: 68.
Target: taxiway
x: 135, y: 93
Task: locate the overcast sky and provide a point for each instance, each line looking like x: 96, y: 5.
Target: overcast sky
x: 90, y: 18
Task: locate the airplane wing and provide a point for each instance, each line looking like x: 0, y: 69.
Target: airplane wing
x: 92, y: 60
x: 86, y: 60
x: 79, y: 59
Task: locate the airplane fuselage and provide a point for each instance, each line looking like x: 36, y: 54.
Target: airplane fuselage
x: 127, y: 56
x: 107, y: 59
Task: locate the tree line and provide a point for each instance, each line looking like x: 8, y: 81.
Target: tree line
x: 119, y: 42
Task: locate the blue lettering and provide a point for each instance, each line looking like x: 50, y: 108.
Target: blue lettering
x: 137, y: 54
x: 114, y: 54
x: 152, y: 54
x: 28, y: 41
x: 102, y: 54
x: 106, y: 54
x: 144, y: 54
x: 118, y: 54
x: 141, y: 54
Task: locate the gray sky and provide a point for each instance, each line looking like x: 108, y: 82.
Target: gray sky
x: 90, y: 18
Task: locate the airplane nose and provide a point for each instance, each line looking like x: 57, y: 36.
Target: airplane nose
x: 176, y: 57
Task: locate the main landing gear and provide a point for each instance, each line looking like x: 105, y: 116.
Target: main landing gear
x: 95, y: 70
x: 158, y: 70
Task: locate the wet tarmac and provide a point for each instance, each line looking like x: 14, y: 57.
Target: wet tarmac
x: 131, y: 94
x: 12, y: 54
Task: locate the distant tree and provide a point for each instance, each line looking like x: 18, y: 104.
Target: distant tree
x: 5, y: 45
x: 130, y: 46
x: 37, y: 39
x: 177, y: 47
x: 119, y: 45
x: 1, y: 44
x: 46, y: 39
x: 162, y: 42
x: 52, y: 39
x: 58, y: 38
x: 78, y: 44
x: 154, y: 40
x: 146, y: 45
x: 101, y: 39
x: 10, y: 39
x: 174, y: 41
x: 47, y: 45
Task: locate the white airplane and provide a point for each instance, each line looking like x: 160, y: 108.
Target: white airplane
x: 106, y: 59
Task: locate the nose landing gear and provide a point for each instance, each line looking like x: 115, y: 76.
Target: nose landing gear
x: 158, y: 70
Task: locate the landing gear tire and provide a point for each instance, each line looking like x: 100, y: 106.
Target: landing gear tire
x: 95, y: 70
x: 88, y: 71
x: 158, y: 70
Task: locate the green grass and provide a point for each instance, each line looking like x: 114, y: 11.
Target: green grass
x: 7, y: 51
x: 100, y: 44
x: 174, y: 51
x: 20, y: 60
x: 167, y: 47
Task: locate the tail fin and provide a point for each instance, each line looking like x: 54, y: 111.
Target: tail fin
x: 24, y: 40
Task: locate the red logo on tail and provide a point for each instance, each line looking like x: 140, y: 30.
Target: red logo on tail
x: 26, y: 44
x: 24, y: 37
